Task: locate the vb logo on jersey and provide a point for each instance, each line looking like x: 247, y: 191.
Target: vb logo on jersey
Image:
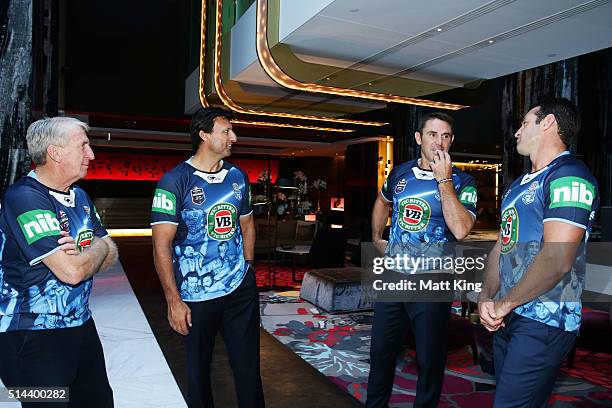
x: 509, y: 229
x: 571, y: 192
x: 37, y: 224
x: 468, y: 195
x: 164, y: 202
x: 413, y: 214
x: 84, y: 238
x: 222, y: 221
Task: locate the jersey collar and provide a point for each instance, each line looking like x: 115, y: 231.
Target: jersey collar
x: 530, y: 176
x: 66, y: 199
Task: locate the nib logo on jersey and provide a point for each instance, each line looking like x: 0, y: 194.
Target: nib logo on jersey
x: 37, y: 224
x: 413, y: 214
x: 221, y: 221
x: 164, y: 202
x: 468, y: 195
x: 571, y: 192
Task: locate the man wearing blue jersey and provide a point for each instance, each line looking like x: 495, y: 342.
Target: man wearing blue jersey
x: 537, y: 314
x: 205, y: 203
x: 52, y: 243
x: 433, y: 202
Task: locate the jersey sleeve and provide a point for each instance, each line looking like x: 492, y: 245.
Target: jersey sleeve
x: 164, y: 209
x: 468, y: 195
x: 30, y: 218
x: 96, y: 221
x: 387, y: 189
x: 246, y: 206
x: 570, y: 195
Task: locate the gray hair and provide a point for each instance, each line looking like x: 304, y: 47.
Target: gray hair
x: 50, y: 131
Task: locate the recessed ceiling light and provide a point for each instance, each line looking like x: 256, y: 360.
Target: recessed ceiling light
x: 491, y: 41
x: 438, y: 29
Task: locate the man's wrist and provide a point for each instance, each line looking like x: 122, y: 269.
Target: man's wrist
x: 173, y: 297
x: 484, y: 298
x: 505, y: 306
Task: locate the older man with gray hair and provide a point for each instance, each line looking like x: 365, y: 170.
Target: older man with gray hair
x: 51, y: 244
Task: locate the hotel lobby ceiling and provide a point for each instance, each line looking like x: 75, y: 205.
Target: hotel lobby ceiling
x: 335, y: 58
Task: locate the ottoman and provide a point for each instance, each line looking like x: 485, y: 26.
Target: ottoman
x: 336, y: 290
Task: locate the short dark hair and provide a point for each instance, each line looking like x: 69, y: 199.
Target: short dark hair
x: 445, y: 117
x: 204, y: 119
x: 565, y: 113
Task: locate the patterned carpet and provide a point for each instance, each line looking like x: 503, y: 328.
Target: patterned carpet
x: 338, y: 346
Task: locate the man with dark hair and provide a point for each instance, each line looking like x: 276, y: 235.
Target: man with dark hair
x: 554, y: 205
x: 206, y: 193
x: 203, y: 121
x: 444, y: 117
x: 566, y: 115
x: 429, y: 197
x: 52, y: 242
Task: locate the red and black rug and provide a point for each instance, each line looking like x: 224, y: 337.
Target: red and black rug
x: 338, y: 346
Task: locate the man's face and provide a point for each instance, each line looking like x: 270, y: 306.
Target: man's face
x: 76, y: 154
x: 439, y: 232
x: 574, y: 278
x: 222, y: 250
x: 221, y: 137
x: 541, y: 311
x: 533, y: 248
x: 189, y: 252
x: 206, y: 280
x: 193, y: 220
x: 528, y: 136
x: 437, y: 135
x: 192, y: 284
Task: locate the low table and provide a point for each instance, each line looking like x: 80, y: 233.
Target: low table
x: 336, y: 290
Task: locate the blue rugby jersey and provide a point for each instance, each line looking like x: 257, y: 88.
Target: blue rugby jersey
x: 207, y: 253
x: 565, y: 191
x: 417, y: 224
x: 31, y: 217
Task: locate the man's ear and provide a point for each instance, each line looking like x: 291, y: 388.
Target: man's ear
x: 548, y: 121
x: 54, y: 153
x: 203, y: 135
x: 417, y: 137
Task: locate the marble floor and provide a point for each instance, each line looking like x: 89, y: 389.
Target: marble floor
x: 137, y: 370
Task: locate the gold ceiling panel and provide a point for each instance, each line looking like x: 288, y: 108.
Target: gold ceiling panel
x: 280, y: 60
x: 204, y: 102
x: 222, y: 92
